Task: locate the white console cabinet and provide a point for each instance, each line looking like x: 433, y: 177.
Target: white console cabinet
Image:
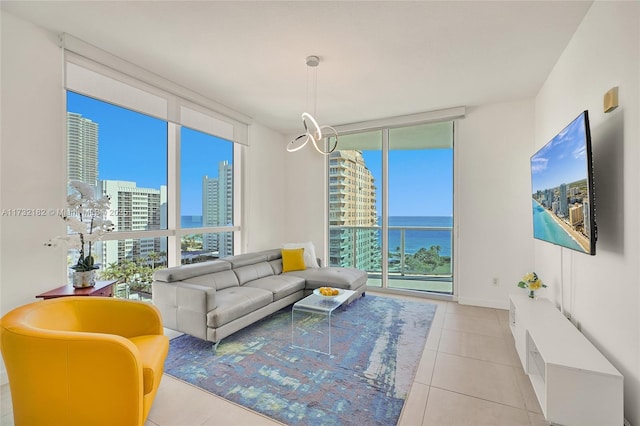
x: 574, y: 382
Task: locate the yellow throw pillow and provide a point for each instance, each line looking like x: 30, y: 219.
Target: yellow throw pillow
x: 293, y: 260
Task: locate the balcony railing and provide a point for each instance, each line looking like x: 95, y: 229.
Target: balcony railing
x: 419, y: 257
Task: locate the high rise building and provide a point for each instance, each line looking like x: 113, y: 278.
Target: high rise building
x: 82, y: 149
x: 576, y: 216
x: 217, y: 209
x: 134, y: 209
x: 549, y: 199
x: 563, y: 200
x: 352, y: 212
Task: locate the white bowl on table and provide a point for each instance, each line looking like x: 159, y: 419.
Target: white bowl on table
x: 317, y: 291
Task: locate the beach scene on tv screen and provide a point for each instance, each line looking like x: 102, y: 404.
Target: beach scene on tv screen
x: 561, y: 191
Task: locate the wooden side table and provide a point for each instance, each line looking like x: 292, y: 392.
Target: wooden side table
x: 102, y: 288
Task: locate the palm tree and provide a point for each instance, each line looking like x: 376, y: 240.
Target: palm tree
x: 153, y: 257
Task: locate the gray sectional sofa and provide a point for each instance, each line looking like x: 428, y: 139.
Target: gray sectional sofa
x: 212, y: 300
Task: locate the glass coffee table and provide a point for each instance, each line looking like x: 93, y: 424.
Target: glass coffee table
x: 311, y: 321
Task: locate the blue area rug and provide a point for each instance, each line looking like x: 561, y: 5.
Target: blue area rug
x: 364, y: 382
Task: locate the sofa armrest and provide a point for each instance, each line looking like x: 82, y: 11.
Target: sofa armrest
x: 194, y: 297
x: 184, y: 306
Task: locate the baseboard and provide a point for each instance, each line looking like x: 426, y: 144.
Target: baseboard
x: 412, y: 293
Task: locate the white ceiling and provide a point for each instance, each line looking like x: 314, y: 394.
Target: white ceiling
x: 378, y: 59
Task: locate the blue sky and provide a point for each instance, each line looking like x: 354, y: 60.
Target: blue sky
x: 133, y: 147
x: 200, y: 155
x: 420, y: 181
x: 561, y: 160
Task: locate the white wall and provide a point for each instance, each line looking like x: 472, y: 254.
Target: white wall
x: 32, y: 162
x: 265, y: 192
x: 602, y: 293
x: 306, y: 204
x: 493, y: 210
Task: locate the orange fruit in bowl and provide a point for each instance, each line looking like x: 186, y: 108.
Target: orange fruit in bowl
x: 328, y: 291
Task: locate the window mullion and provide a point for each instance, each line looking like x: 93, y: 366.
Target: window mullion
x: 173, y: 193
x: 385, y: 208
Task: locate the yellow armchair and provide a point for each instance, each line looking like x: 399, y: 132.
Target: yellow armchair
x: 83, y: 360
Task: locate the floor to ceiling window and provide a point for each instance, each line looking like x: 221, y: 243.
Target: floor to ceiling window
x: 165, y: 157
x: 391, y: 206
x: 122, y: 154
x: 420, y: 206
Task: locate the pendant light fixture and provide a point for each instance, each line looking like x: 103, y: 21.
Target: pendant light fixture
x: 312, y: 131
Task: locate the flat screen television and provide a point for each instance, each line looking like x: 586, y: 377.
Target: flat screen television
x: 563, y: 190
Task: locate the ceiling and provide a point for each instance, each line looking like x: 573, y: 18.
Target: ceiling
x: 378, y: 59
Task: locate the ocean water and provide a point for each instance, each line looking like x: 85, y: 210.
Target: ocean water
x: 416, y: 239
x: 547, y: 229
x: 191, y: 221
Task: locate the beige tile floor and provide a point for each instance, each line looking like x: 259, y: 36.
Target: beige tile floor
x: 469, y: 374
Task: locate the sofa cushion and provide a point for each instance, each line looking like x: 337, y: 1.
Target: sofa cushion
x: 183, y: 272
x: 280, y: 285
x: 253, y: 272
x: 293, y: 260
x: 235, y: 302
x: 309, y: 253
x: 345, y: 278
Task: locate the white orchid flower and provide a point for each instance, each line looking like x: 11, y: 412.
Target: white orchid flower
x: 85, y: 190
x: 102, y: 224
x: 76, y: 225
x: 74, y: 200
x: 101, y: 204
x: 69, y: 241
x: 85, y: 219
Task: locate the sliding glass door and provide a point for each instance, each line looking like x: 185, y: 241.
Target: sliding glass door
x: 420, y: 218
x: 391, y: 206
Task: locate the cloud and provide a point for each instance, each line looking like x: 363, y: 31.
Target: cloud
x: 538, y: 164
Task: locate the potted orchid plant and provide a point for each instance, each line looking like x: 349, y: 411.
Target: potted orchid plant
x: 85, y: 217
